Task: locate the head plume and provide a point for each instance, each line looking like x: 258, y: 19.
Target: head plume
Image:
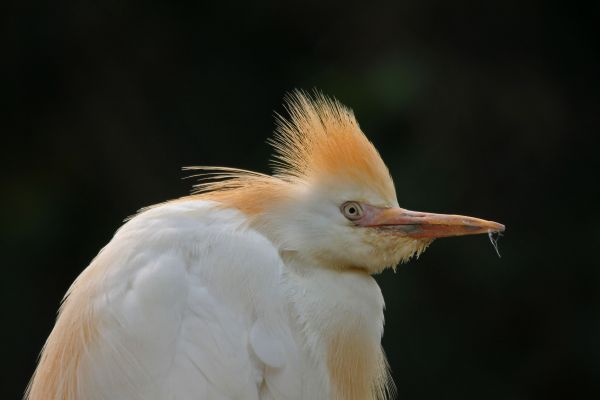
x: 320, y: 140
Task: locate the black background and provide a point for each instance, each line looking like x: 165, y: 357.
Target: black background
x: 487, y: 109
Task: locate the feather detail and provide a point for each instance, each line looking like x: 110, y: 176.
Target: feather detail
x: 57, y: 374
x: 247, y: 191
x: 358, y: 369
x: 321, y: 140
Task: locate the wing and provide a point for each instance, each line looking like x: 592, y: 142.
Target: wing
x: 184, y: 303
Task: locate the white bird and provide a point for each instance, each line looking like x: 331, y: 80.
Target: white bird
x: 255, y: 287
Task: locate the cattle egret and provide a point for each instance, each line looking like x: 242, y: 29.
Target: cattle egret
x: 254, y: 287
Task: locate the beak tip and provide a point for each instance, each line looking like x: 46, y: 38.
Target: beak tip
x: 497, y: 227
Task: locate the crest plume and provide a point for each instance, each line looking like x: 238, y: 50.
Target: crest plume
x: 322, y: 137
x: 320, y: 140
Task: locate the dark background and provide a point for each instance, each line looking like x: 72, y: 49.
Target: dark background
x: 479, y: 108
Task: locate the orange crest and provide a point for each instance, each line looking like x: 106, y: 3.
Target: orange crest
x: 320, y: 140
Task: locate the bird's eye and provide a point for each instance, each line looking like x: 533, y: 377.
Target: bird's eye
x: 352, y: 210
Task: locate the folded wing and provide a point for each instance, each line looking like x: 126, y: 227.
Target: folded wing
x: 183, y: 303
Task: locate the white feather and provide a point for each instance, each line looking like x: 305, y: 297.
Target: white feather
x: 190, y: 302
x: 190, y: 307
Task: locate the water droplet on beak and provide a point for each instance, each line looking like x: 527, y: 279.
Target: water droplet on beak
x: 494, y: 237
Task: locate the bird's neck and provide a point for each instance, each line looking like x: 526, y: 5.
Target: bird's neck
x: 344, y: 311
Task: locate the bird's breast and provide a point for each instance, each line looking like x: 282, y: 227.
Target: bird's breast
x: 343, y: 313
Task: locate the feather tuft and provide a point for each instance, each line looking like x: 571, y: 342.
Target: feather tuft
x: 320, y: 140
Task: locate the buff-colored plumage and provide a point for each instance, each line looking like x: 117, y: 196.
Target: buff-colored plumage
x: 261, y: 267
x: 322, y: 138
x: 56, y: 376
x: 320, y: 141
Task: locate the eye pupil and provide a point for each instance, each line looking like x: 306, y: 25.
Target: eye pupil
x: 351, y: 210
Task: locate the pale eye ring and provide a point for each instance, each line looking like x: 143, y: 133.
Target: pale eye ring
x: 352, y: 210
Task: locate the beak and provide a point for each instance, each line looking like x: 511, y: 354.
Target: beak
x: 422, y: 225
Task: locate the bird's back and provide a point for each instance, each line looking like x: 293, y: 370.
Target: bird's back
x: 185, y: 302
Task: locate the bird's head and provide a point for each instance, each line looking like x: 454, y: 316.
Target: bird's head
x: 331, y: 199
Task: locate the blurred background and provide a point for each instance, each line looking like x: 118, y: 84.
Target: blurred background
x: 488, y: 109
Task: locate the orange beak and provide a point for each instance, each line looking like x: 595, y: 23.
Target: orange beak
x: 421, y: 225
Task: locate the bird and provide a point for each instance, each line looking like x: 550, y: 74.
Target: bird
x: 255, y: 286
